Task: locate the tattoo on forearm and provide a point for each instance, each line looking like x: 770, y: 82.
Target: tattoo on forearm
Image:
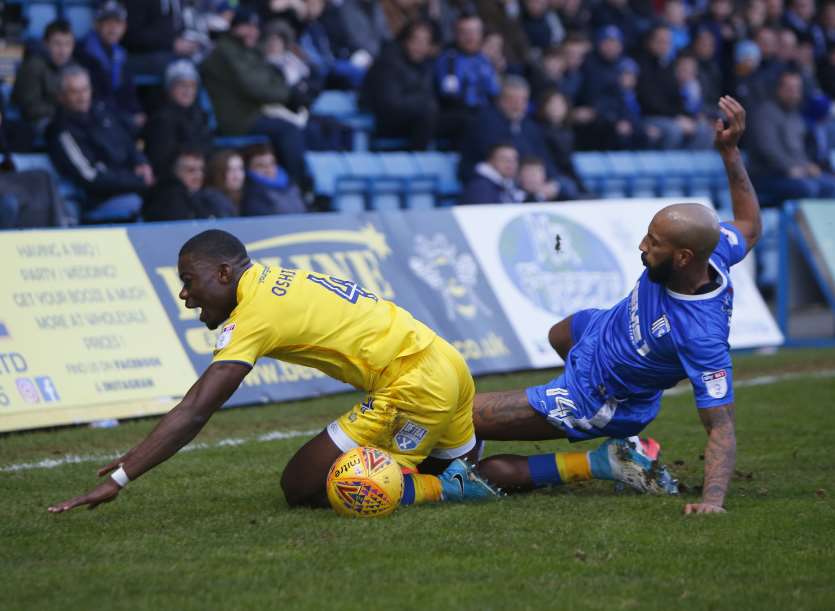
x: 499, y: 408
x: 720, y: 455
x: 738, y: 177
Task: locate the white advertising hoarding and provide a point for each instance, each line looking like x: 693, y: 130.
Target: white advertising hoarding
x: 546, y: 261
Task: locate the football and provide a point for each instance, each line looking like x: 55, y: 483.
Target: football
x: 365, y: 482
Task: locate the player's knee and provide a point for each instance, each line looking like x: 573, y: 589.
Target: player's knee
x: 294, y: 492
x: 559, y: 336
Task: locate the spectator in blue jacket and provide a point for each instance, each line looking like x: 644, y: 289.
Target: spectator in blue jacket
x: 106, y: 61
x: 465, y: 79
x: 507, y: 121
x: 92, y: 146
x: 494, y: 179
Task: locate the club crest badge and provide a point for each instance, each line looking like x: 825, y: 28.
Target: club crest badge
x: 410, y: 436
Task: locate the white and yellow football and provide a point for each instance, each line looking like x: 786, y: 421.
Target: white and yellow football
x: 365, y: 483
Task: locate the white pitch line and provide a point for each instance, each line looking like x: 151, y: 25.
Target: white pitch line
x: 72, y: 459
x: 762, y: 380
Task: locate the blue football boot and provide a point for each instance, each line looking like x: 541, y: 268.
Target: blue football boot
x: 461, y: 482
x: 634, y: 462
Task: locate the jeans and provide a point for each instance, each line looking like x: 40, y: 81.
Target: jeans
x: 119, y: 209
x: 780, y: 188
x: 288, y: 144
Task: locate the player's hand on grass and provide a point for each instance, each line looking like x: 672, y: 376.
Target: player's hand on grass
x: 693, y: 508
x: 727, y: 136
x: 103, y: 493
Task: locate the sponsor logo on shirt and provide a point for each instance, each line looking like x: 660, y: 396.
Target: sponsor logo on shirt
x: 224, y: 337
x: 716, y: 383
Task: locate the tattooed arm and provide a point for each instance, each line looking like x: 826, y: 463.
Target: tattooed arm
x: 746, y: 207
x: 720, y: 458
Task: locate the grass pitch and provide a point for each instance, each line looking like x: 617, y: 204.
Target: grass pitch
x: 210, y: 529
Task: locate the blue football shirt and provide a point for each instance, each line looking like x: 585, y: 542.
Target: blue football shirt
x: 654, y: 338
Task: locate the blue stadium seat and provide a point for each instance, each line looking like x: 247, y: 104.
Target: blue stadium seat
x: 627, y: 170
x: 342, y: 106
x: 239, y: 142
x: 444, y: 166
x: 384, y: 191
x: 325, y: 169
x: 337, y: 104
x: 40, y: 161
x: 420, y: 189
x: 81, y: 15
x: 593, y: 168
x: 667, y: 179
x: 38, y: 14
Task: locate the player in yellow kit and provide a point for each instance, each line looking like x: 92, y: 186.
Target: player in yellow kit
x: 420, y: 392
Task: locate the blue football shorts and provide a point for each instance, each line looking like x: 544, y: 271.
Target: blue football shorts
x: 588, y: 416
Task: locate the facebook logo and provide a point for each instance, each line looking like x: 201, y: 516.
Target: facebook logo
x: 47, y: 388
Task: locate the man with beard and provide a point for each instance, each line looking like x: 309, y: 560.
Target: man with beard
x: 673, y: 325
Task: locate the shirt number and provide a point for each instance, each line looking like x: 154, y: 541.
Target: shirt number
x: 346, y: 289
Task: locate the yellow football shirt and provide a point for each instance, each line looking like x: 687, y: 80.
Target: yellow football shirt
x: 320, y: 321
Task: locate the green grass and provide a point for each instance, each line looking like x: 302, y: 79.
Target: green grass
x: 210, y: 529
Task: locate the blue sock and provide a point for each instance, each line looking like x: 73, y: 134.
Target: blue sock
x: 543, y: 469
x: 408, y: 491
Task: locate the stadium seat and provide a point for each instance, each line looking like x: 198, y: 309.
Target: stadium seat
x: 239, y: 142
x: 38, y: 14
x: 384, y: 192
x: 325, y: 169
x: 81, y: 15
x: 420, y: 189
x: 40, y: 161
x: 444, y: 167
x: 342, y: 106
x: 594, y: 169
x: 627, y: 171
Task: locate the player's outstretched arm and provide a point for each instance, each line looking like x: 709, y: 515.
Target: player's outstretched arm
x: 720, y: 458
x: 175, y: 430
x: 746, y: 206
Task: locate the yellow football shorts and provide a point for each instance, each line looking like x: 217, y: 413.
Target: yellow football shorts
x: 423, y: 406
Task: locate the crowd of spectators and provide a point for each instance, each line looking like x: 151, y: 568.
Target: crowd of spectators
x: 515, y: 86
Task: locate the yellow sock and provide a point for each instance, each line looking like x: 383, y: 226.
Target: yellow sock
x: 559, y: 468
x: 419, y: 488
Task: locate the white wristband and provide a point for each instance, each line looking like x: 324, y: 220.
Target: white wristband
x: 120, y: 477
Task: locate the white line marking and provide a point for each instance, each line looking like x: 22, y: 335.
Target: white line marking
x: 72, y: 459
x: 683, y: 389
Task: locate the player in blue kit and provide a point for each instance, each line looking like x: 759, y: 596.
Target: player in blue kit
x: 673, y: 325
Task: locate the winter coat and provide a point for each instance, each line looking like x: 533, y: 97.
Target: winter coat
x: 36, y: 88
x: 240, y: 81
x: 96, y: 151
x: 172, y: 128
x: 488, y: 187
x: 171, y: 201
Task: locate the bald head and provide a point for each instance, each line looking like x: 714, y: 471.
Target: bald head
x: 690, y: 226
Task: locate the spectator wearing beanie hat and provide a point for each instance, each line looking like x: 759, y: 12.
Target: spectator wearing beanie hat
x: 101, y: 53
x: 180, y: 122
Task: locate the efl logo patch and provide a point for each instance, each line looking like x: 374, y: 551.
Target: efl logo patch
x: 225, y: 337
x: 716, y: 383
x: 660, y: 327
x: 410, y: 436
